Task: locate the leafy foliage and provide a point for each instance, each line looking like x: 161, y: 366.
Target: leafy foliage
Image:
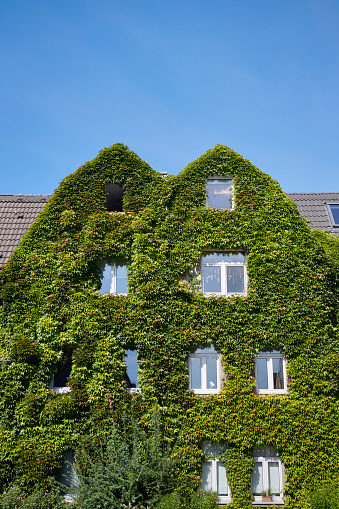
x: 50, y: 304
x: 130, y: 468
x: 15, y: 498
x: 325, y: 497
x: 198, y: 500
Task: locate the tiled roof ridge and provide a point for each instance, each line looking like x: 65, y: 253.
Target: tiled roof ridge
x: 317, y: 194
x: 7, y: 198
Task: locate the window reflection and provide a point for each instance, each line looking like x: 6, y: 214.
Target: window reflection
x: 219, y: 193
x: 131, y: 360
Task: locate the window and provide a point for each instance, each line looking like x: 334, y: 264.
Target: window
x: 224, y: 273
x: 114, y: 278
x: 114, y: 195
x: 68, y: 476
x: 270, y: 373
x: 131, y: 375
x: 333, y: 212
x: 219, y: 192
x: 267, y: 474
x: 59, y: 380
x: 213, y: 476
x: 205, y: 371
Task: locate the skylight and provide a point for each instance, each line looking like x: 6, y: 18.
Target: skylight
x: 333, y: 212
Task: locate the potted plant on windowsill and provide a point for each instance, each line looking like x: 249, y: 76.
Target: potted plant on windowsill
x: 266, y: 496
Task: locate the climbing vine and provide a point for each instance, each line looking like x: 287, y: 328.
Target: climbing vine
x: 50, y: 304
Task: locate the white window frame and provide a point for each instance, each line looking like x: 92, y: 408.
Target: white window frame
x: 265, y: 460
x: 203, y: 366
x: 133, y: 390
x: 113, y: 278
x: 224, y: 266
x: 221, y: 177
x: 58, y: 389
x: 270, y: 356
x: 330, y: 214
x: 223, y: 499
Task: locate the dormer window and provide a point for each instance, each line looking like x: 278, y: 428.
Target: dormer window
x: 115, y: 196
x: 333, y: 213
x: 270, y: 373
x: 59, y: 381
x: 219, y: 192
x: 205, y: 371
x: 114, y: 278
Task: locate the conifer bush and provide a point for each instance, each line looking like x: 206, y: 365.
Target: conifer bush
x: 131, y: 468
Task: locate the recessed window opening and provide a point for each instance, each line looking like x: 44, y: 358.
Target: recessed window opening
x: 131, y: 375
x: 60, y: 378
x: 205, y: 371
x: 333, y: 212
x: 219, y: 192
x: 213, y: 476
x: 267, y: 474
x: 68, y: 476
x: 114, y: 278
x: 270, y: 373
x: 224, y: 273
x: 115, y: 196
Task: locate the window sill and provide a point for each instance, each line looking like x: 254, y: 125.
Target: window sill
x: 259, y: 503
x: 224, y: 500
x: 133, y: 390
x: 205, y: 392
x: 61, y: 389
x: 266, y: 392
x: 225, y: 294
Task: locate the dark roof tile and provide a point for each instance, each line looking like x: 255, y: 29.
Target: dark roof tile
x: 17, y: 213
x: 312, y: 206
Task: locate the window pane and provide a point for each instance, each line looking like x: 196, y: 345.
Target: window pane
x: 206, y: 483
x: 235, y: 279
x: 223, y: 257
x: 212, y: 448
x: 335, y: 213
x: 209, y: 349
x: 211, y: 382
x: 262, y: 379
x: 257, y: 481
x: 278, y: 375
x: 195, y: 373
x: 121, y: 278
x: 222, y: 481
x: 273, y: 476
x: 219, y: 193
x: 64, y: 371
x: 212, y: 279
x: 132, y: 368
x: 106, y: 279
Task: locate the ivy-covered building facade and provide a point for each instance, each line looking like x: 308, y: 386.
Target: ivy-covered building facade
x: 204, y: 296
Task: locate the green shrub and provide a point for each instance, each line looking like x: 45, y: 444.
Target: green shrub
x: 15, y: 498
x: 131, y: 468
x: 199, y: 500
x: 325, y: 497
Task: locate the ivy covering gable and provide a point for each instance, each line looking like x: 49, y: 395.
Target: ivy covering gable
x: 51, y: 305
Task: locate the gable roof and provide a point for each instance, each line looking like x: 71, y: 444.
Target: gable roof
x: 312, y: 206
x: 17, y: 213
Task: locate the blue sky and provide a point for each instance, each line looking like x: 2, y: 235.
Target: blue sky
x: 170, y: 79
